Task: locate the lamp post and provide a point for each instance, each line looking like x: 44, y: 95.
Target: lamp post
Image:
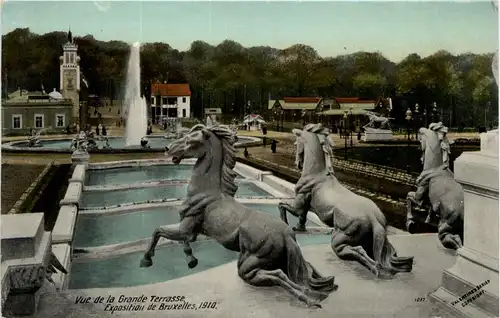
x: 416, y: 121
x: 345, y: 134
x: 435, y: 116
x: 351, y: 124
x: 408, y: 121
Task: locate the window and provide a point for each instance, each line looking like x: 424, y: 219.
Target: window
x: 66, y: 57
x: 184, y: 113
x: 17, y: 121
x: 184, y: 99
x: 60, y: 120
x: 152, y: 100
x: 72, y: 56
x: 164, y: 101
x: 38, y: 120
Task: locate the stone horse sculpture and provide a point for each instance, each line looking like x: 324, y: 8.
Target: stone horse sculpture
x: 437, y: 185
x: 269, y: 253
x: 383, y: 122
x: 360, y: 228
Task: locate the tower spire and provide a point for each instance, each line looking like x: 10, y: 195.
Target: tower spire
x: 70, y: 36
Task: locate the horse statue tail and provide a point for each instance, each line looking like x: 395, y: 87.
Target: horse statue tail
x: 302, y: 272
x: 388, y: 258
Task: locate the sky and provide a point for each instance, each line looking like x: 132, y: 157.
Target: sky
x: 395, y: 28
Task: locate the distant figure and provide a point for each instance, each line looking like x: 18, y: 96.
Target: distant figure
x: 273, y: 146
x: 166, y: 150
x: 68, y: 130
x: 245, y: 153
x: 103, y: 131
x: 144, y: 142
x: 359, y: 135
x: 97, y: 130
x: 150, y: 130
x: 264, y: 130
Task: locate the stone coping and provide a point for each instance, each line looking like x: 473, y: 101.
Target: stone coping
x: 78, y: 174
x: 73, y: 194
x: 136, y: 163
x: 63, y: 253
x: 63, y: 231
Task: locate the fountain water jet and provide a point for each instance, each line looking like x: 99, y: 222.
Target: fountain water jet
x: 137, y: 116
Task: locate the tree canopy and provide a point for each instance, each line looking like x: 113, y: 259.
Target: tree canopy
x: 229, y: 75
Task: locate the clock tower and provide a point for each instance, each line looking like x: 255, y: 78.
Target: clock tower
x: 70, y: 76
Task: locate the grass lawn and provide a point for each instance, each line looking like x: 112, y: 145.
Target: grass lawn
x: 16, y: 178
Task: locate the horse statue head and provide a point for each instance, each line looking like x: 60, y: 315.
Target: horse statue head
x: 213, y: 146
x: 314, y: 143
x: 435, y: 146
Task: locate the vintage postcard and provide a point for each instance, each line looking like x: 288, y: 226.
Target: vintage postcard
x: 249, y: 159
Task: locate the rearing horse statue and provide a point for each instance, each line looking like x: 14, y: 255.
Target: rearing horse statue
x: 437, y: 184
x: 359, y: 227
x: 268, y: 251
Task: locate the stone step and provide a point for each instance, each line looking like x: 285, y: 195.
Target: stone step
x: 444, y: 298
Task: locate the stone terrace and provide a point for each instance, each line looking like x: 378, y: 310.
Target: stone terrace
x: 359, y: 293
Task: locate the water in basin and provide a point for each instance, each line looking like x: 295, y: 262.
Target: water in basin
x: 128, y: 175
x: 99, y: 230
x: 96, y: 199
x: 272, y: 209
x: 169, y: 263
x: 114, y: 142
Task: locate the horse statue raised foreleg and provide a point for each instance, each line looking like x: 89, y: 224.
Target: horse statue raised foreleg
x: 299, y: 207
x: 268, y: 251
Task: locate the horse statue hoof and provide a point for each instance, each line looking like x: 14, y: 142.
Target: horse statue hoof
x: 299, y: 228
x: 411, y: 227
x: 192, y: 263
x: 146, y: 262
x: 314, y: 305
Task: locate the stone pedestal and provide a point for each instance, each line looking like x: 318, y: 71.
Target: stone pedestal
x: 372, y: 134
x: 470, y: 287
x: 26, y: 251
x: 80, y: 158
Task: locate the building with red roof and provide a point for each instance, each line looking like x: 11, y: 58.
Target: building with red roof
x: 170, y: 100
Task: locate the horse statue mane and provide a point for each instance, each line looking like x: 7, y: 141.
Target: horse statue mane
x: 227, y: 138
x: 324, y: 135
x: 434, y: 135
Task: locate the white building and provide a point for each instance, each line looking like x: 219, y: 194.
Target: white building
x: 170, y: 100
